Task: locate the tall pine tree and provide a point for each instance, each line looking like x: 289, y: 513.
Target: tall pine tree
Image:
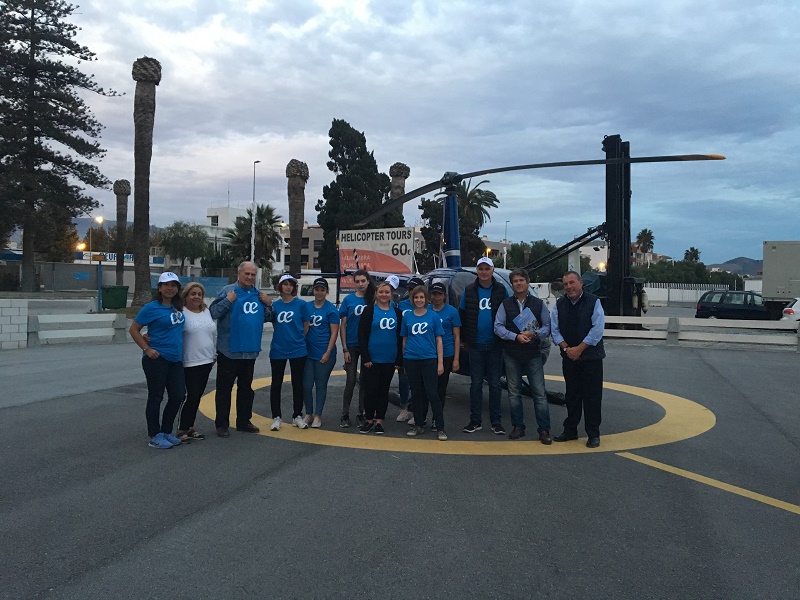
x: 47, y: 132
x: 358, y: 190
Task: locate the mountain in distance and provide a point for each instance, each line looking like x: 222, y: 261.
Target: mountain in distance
x: 741, y: 266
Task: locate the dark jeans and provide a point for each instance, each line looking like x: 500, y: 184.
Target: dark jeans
x: 196, y: 379
x: 444, y: 379
x: 297, y: 366
x: 485, y: 361
x: 584, y: 390
x: 240, y: 372
x: 350, y: 384
x: 377, y: 380
x: 423, y: 379
x: 162, y: 374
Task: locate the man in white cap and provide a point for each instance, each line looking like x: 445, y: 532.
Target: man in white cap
x: 478, y: 308
x: 240, y: 311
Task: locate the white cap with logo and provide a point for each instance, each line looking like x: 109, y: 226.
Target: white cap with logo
x: 484, y: 261
x: 167, y: 277
x: 394, y: 281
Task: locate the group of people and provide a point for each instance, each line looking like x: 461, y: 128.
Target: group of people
x: 421, y: 337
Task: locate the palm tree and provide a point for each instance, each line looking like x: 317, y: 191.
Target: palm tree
x: 122, y: 190
x: 147, y: 75
x: 692, y: 255
x: 474, y: 204
x: 268, y: 238
x: 297, y: 174
x: 645, y: 240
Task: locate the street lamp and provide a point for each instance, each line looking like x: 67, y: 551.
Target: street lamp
x: 98, y: 220
x: 505, y: 247
x: 253, y: 218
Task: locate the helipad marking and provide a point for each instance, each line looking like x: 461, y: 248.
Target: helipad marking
x: 683, y: 419
x: 733, y: 489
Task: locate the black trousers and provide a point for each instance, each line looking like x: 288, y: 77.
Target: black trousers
x: 444, y: 379
x: 584, y: 393
x: 240, y: 372
x: 196, y: 379
x: 297, y: 366
x: 423, y: 379
x: 376, y: 382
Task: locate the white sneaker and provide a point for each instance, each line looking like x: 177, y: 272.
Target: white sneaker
x: 411, y: 421
x: 299, y: 422
x: 403, y: 416
x: 317, y: 422
x: 276, y: 424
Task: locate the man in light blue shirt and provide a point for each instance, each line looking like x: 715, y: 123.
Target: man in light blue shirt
x: 577, y: 324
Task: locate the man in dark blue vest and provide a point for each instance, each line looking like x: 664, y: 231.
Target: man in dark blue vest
x: 521, y: 323
x: 240, y: 311
x: 478, y: 307
x: 577, y: 324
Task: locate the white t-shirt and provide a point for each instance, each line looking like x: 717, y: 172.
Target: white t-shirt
x: 199, y: 338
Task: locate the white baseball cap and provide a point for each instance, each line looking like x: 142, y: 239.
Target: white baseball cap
x: 167, y: 277
x: 286, y: 277
x: 484, y: 261
x: 394, y: 281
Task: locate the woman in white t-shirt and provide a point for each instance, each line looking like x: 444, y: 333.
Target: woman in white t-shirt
x: 199, y: 356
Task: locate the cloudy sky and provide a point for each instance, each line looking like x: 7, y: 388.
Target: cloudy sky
x: 464, y: 85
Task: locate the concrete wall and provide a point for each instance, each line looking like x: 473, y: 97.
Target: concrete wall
x: 13, y: 324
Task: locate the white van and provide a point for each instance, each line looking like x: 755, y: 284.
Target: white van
x: 306, y: 291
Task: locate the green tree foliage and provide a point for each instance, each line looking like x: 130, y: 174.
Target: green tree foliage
x: 102, y: 240
x: 686, y: 271
x: 645, y: 240
x: 47, y: 132
x: 524, y: 253
x: 473, y: 205
x: 268, y: 239
x: 692, y: 255
x: 61, y: 240
x: 183, y: 240
x: 472, y: 247
x: 358, y: 190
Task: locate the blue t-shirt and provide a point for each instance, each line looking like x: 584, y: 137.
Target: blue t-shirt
x: 450, y: 318
x: 351, y: 308
x: 485, y: 334
x: 247, y: 321
x: 420, y: 333
x: 319, y: 331
x: 288, y: 340
x: 405, y: 306
x: 383, y: 336
x: 165, y: 328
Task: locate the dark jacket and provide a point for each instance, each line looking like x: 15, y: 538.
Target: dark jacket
x: 469, y: 315
x: 515, y: 349
x: 575, y: 322
x: 365, y: 331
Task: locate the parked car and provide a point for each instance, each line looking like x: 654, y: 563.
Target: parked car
x: 722, y: 304
x: 792, y: 311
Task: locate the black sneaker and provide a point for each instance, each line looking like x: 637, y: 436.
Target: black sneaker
x: 472, y: 427
x: 433, y: 426
x: 365, y: 428
x: 497, y: 429
x: 379, y: 429
x: 345, y: 422
x: 361, y: 419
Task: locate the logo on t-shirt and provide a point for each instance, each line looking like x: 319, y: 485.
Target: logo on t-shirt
x: 316, y: 320
x: 359, y: 309
x: 485, y: 304
x: 387, y: 323
x: 250, y: 308
x: 176, y: 318
x: 419, y: 328
x: 285, y: 316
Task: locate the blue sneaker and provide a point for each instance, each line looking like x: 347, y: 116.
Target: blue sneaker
x: 171, y: 439
x: 159, y: 442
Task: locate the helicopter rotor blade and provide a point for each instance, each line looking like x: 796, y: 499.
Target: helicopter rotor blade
x: 398, y: 202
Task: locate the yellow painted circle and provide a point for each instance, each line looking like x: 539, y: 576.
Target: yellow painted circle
x: 683, y: 419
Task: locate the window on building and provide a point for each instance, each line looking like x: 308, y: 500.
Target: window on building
x: 305, y: 243
x: 318, y: 245
x: 304, y: 258
x: 316, y: 263
x: 215, y: 220
x: 286, y: 259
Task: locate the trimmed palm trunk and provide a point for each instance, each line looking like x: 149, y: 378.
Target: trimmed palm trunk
x: 297, y: 174
x: 399, y: 172
x: 147, y: 75
x: 122, y: 190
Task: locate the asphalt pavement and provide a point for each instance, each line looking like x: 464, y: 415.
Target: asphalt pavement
x: 88, y: 510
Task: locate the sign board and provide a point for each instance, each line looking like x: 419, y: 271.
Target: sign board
x: 381, y: 250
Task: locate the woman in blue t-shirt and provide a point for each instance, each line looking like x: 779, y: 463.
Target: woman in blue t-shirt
x: 423, y: 361
x: 321, y: 343
x: 290, y: 320
x: 379, y: 341
x: 162, y: 360
x: 350, y: 312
